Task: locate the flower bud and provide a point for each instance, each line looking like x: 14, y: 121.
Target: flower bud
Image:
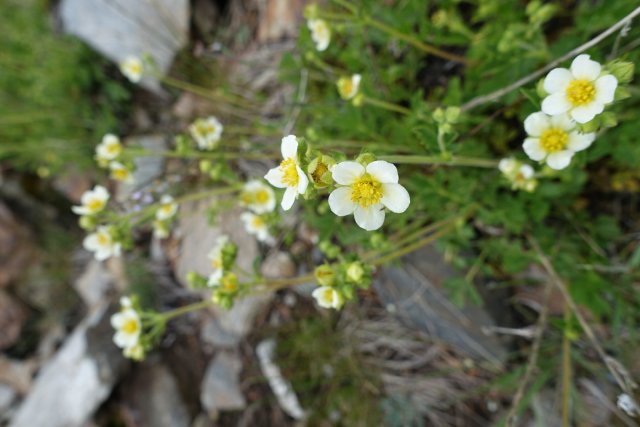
x: 621, y: 70
x: 196, y: 281
x: 205, y: 166
x: 355, y: 272
x: 365, y: 158
x: 325, y: 275
x: 452, y: 114
x: 319, y: 171
x: 88, y: 222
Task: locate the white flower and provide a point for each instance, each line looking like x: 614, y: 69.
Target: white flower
x: 206, y: 132
x: 109, y: 149
x: 554, y: 139
x: 215, y: 255
x: 582, y: 92
x: 120, y: 172
x: 258, y: 196
x: 93, y: 201
x: 102, y: 244
x: 132, y: 68
x: 255, y: 225
x: 215, y: 278
x: 628, y: 405
x: 521, y: 176
x: 327, y: 297
x: 168, y: 208
x: 160, y: 229
x: 320, y: 33
x: 125, y: 302
x: 288, y: 175
x: 135, y: 352
x: 348, y: 86
x: 367, y: 191
x: 128, y: 327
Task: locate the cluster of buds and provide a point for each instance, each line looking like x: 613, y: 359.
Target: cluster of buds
x: 339, y: 282
x: 109, y: 155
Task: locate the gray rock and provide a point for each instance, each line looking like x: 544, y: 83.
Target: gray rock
x: 7, y: 396
x: 120, y: 28
x: 278, y: 265
x: 94, y: 284
x: 220, y: 386
x: 213, y: 334
x: 75, y: 382
x: 147, y: 168
x: 414, y: 292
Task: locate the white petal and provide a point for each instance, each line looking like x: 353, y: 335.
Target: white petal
x: 584, y: 68
x: 340, y: 201
x: 384, y: 172
x: 117, y: 320
x: 559, y: 160
x: 506, y: 165
x: 274, y: 177
x: 580, y: 141
x: 90, y: 242
x: 535, y: 124
x: 102, y: 253
x: 533, y: 149
x: 586, y: 113
x: 556, y: 103
x: 319, y: 295
x: 345, y: 173
x: 79, y: 210
x: 303, y: 181
x: 562, y: 121
x: 557, y: 80
x: 370, y: 218
x: 606, y: 88
x: 527, y: 171
x: 288, y: 198
x: 395, y: 197
x: 289, y: 147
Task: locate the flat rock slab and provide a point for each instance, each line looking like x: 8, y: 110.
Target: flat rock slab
x: 75, y: 382
x: 120, y: 28
x: 220, y: 386
x: 415, y: 293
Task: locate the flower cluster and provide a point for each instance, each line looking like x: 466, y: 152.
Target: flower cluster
x: 339, y: 282
x: 349, y: 89
x: 133, y: 68
x: 520, y: 175
x: 164, y: 215
x: 320, y: 33
x: 109, y: 155
x: 128, y: 326
x: 206, y: 132
x: 260, y: 199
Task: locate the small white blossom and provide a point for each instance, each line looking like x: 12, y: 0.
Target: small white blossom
x: 320, y: 33
x: 256, y: 225
x: 327, y: 297
x: 120, y: 172
x: 289, y: 175
x: 348, y: 86
x: 554, y: 139
x: 168, y: 208
x: 102, y: 244
x: 93, y: 201
x: 628, y: 405
x: 160, y: 229
x: 128, y: 328
x: 582, y: 92
x: 206, y: 132
x: 258, y: 196
x: 215, y: 278
x: 135, y: 352
x: 366, y: 191
x: 132, y: 68
x: 217, y: 263
x: 521, y: 176
x: 109, y: 149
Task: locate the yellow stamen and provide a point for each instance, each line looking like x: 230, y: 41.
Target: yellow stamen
x: 257, y: 222
x: 366, y: 191
x: 130, y: 326
x: 103, y: 239
x: 262, y: 196
x: 289, y: 172
x: 553, y: 140
x: 580, y: 92
x: 95, y: 205
x: 120, y: 174
x: 113, y: 149
x: 317, y: 174
x: 345, y: 87
x: 327, y: 295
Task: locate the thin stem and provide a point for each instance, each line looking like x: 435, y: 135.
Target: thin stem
x: 386, y: 105
x: 480, y: 100
x: 414, y: 41
x: 566, y: 372
x: 185, y: 309
x: 141, y: 152
x: 412, y: 247
x: 439, y: 160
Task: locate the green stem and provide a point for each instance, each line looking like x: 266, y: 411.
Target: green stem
x: 566, y: 370
x: 412, y: 247
x: 439, y: 160
x: 185, y: 309
x: 141, y: 152
x: 413, y: 41
x: 386, y: 105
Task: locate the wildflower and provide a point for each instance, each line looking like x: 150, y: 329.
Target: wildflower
x: 288, y: 175
x: 628, y: 405
x: 101, y: 242
x: 160, y: 229
x: 125, y: 302
x: 554, y: 139
x: 256, y: 225
x: 120, y: 172
x: 320, y: 33
x: 206, y: 132
x: 348, y: 86
x: 319, y: 170
x: 109, y: 149
x: 325, y: 275
x: 582, y: 91
x: 128, y: 328
x: 520, y: 175
x: 355, y: 272
x: 327, y: 297
x: 93, y: 201
x: 215, y: 278
x: 216, y: 254
x: 258, y: 197
x: 132, y: 68
x: 135, y: 352
x: 366, y: 191
x: 168, y: 208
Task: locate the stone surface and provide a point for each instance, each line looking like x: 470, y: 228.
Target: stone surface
x: 12, y: 316
x: 73, y: 384
x: 120, y: 28
x: 220, y: 387
x: 94, y: 284
x: 147, y: 168
x: 414, y: 292
x: 214, y: 335
x: 7, y: 396
x: 279, y: 19
x: 278, y: 265
x: 15, y: 251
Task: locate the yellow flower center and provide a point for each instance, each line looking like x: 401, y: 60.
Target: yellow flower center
x: 580, y: 92
x: 553, y: 140
x: 95, y: 205
x: 366, y: 191
x: 134, y: 68
x: 289, y: 172
x: 103, y: 239
x: 327, y: 295
x: 113, y: 149
x: 130, y: 326
x: 345, y: 87
x: 257, y: 222
x: 166, y: 208
x: 262, y: 196
x: 216, y: 263
x: 317, y: 174
x: 120, y: 174
x: 230, y: 283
